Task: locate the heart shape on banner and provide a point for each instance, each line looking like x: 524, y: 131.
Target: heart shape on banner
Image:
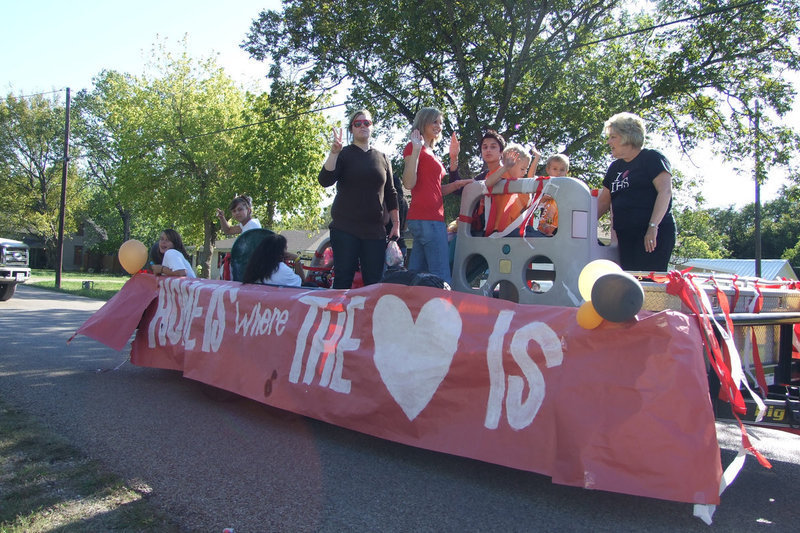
x: 413, y: 358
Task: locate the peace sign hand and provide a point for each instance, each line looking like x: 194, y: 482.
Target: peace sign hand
x: 336, y: 145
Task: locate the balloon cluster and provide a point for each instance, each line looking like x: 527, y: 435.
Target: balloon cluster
x: 132, y: 256
x: 609, y: 294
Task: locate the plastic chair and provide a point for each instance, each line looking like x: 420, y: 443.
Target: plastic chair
x: 243, y: 248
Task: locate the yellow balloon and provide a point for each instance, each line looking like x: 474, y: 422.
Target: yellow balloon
x: 587, y: 317
x: 132, y: 256
x: 591, y: 272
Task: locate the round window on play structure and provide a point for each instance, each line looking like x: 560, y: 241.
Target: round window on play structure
x: 476, y: 271
x: 539, y: 274
x: 505, y: 290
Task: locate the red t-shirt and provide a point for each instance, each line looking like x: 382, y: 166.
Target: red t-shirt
x: 426, y: 196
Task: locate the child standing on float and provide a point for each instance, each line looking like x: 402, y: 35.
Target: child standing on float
x: 242, y: 211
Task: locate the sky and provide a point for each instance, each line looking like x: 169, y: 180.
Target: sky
x: 48, y: 45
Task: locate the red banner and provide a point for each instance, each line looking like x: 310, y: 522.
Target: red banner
x: 623, y: 407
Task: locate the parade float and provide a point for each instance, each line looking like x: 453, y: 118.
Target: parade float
x: 544, y: 357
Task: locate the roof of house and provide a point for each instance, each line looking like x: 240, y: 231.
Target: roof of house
x: 296, y: 240
x: 770, y: 268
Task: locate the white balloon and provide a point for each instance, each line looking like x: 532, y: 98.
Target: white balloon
x: 591, y: 272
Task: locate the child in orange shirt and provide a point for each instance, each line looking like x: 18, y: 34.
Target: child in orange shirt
x: 507, y: 207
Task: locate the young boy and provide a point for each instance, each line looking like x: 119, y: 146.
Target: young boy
x: 507, y: 207
x: 557, y: 166
x: 242, y: 211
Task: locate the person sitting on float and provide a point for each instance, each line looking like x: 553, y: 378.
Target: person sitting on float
x: 174, y: 258
x: 267, y: 264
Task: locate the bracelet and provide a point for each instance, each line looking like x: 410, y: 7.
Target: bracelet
x: 653, y: 225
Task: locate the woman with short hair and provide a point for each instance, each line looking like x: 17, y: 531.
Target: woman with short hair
x: 638, y: 190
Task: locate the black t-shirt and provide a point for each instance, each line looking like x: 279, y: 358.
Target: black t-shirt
x: 633, y: 194
x: 363, y: 182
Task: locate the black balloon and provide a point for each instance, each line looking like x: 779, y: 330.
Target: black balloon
x: 617, y: 296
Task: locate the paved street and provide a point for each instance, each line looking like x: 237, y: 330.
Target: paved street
x: 215, y: 464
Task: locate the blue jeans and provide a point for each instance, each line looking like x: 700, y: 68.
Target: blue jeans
x: 430, y: 252
x: 349, y: 252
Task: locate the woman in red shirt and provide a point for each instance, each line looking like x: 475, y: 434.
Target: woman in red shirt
x: 423, y: 174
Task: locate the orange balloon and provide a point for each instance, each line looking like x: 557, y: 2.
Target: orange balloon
x: 587, y: 316
x: 132, y: 256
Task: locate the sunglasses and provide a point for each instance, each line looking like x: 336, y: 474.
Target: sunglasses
x: 359, y: 123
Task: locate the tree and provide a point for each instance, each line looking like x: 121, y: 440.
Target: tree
x: 110, y: 153
x: 698, y: 236
x: 163, y: 146
x: 31, y: 170
x: 167, y: 148
x: 550, y: 71
x: 283, y: 152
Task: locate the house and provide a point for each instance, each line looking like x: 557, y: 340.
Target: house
x: 770, y: 268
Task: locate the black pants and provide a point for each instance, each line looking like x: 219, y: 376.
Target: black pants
x: 633, y: 256
x: 349, y: 251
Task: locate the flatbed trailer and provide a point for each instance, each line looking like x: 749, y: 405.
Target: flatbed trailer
x: 494, y: 370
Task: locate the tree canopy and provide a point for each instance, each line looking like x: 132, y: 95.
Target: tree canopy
x: 551, y: 72
x: 31, y: 171
x: 167, y: 148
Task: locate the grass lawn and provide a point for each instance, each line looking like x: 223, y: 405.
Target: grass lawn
x: 103, y: 286
x: 48, y: 485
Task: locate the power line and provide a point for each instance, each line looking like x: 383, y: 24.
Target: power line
x: 700, y: 15
x: 673, y: 22
x: 646, y: 29
x: 22, y: 96
x: 234, y: 128
x: 162, y: 142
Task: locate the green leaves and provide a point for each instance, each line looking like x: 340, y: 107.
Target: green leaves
x: 550, y: 72
x: 168, y: 148
x: 31, y: 169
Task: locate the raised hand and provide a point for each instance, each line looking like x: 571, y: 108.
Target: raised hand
x: 535, y: 161
x: 336, y: 145
x: 455, y: 147
x: 416, y: 139
x: 511, y: 158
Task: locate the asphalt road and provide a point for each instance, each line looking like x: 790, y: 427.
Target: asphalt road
x: 240, y: 464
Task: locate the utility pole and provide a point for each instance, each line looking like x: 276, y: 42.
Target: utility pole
x: 757, y: 154
x: 60, y: 260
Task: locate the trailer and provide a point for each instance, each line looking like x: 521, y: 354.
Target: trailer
x: 496, y: 370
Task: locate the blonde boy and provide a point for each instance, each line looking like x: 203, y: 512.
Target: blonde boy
x: 507, y: 207
x: 557, y: 166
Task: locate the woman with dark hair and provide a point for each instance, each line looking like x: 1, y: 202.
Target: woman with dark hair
x: 638, y: 190
x: 174, y: 259
x: 242, y: 211
x: 364, y: 192
x: 266, y: 265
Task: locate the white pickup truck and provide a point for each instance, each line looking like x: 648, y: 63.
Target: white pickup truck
x: 13, y: 266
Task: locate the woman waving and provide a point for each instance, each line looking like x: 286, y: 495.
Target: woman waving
x: 422, y: 174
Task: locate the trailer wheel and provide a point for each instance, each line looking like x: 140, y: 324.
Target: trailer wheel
x: 7, y: 291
